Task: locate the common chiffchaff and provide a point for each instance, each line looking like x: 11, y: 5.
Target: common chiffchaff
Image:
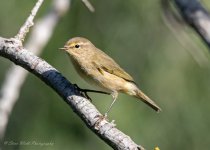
x: 99, y: 69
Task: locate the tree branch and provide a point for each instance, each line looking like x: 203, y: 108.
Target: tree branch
x: 178, y: 27
x: 89, y: 5
x: 12, y: 49
x: 29, y: 22
x: 196, y: 16
x: 16, y: 75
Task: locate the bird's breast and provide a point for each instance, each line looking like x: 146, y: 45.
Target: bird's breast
x: 89, y: 73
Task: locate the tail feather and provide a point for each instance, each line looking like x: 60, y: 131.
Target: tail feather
x: 147, y: 100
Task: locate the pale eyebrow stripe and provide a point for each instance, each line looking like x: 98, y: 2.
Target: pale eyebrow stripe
x: 80, y: 43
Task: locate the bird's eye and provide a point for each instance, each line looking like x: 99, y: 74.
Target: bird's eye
x: 77, y: 46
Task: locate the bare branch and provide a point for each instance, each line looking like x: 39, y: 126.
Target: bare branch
x: 89, y: 5
x: 11, y: 49
x: 29, y: 22
x: 196, y: 16
x: 16, y: 75
x: 178, y: 27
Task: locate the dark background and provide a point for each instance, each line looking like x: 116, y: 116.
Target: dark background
x: 135, y: 35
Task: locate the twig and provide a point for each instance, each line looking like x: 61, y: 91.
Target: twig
x: 89, y: 5
x: 16, y: 75
x: 12, y: 50
x: 29, y: 22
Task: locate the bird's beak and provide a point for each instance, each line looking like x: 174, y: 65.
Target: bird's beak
x: 63, y: 49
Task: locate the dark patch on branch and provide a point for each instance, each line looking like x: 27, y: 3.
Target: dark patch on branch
x: 196, y: 16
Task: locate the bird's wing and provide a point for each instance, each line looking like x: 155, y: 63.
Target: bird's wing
x: 105, y: 63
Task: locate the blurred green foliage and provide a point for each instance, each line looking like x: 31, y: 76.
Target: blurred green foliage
x: 134, y: 34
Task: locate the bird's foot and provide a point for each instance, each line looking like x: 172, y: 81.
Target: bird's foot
x: 83, y: 92
x: 103, y: 119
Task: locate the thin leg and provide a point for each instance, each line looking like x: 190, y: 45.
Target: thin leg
x: 114, y: 95
x: 84, y: 92
x: 95, y: 91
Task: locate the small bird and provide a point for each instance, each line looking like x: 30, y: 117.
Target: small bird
x: 99, y: 69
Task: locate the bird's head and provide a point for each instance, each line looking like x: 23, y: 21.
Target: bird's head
x: 78, y: 46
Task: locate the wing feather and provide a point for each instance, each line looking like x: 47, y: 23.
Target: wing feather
x: 105, y: 63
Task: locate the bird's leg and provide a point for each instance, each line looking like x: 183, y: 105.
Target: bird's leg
x: 114, y: 95
x: 95, y: 91
x: 84, y: 92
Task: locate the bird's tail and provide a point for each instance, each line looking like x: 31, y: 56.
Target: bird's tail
x: 147, y: 100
